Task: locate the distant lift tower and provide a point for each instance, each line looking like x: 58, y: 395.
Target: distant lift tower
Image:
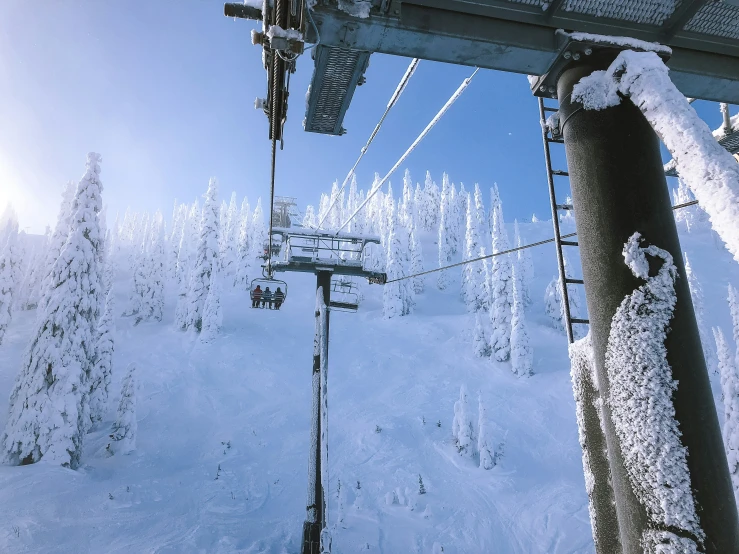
x: 614, y: 166
x: 286, y: 212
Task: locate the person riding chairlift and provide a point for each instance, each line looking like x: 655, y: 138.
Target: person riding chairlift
x: 267, y: 298
x: 256, y: 296
x: 279, y: 298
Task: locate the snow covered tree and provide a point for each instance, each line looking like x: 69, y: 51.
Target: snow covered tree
x: 522, y: 356
x: 185, y: 261
x: 446, y: 240
x: 396, y: 297
x: 102, y: 367
x: 734, y: 311
x: 230, y: 237
x: 730, y: 394
x: 206, y: 257
x: 480, y: 337
x: 696, y: 293
x: 29, y: 292
x: 151, y: 289
x: 8, y: 276
x: 179, y: 219
x: 58, y: 237
x: 525, y: 265
x: 462, y: 430
x: 432, y: 204
x: 553, y: 304
x: 125, y: 428
x: 140, y: 275
x: 454, y: 220
x: 49, y: 410
x: 691, y: 218
x: 352, y: 203
x: 258, y: 232
x: 416, y: 253
x: 485, y: 445
x: 309, y: 220
x: 243, y: 249
x: 474, y: 275
x: 405, y: 207
x: 501, y: 286
x: 212, y: 312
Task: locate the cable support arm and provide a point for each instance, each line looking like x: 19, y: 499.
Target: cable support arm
x: 393, y: 100
x: 412, y: 147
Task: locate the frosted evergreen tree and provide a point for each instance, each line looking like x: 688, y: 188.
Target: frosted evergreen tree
x: 243, y: 250
x: 501, y: 286
x: 230, y: 237
x: 151, y: 302
x: 352, y: 203
x: 33, y: 280
x: 395, y: 296
x: 446, y: 242
x: 419, y: 201
x: 206, y: 256
x: 485, y: 445
x: 309, y: 219
x: 125, y: 428
x: 185, y: 261
x: 59, y: 236
x: 8, y: 223
x: 7, y: 283
x: 696, y: 294
x: 323, y: 205
x: 49, y: 410
x: 534, y: 219
x: 406, y: 205
x: 474, y: 275
x: 416, y: 251
x: 222, y: 222
x: 522, y: 356
x: 334, y: 217
x: 730, y: 395
x: 140, y: 277
x: 179, y: 217
x: 212, y: 311
x: 461, y: 210
x: 690, y: 218
x: 553, y: 304
x: 462, y: 430
x: 258, y: 232
x: 525, y: 265
x: 432, y: 211
x: 480, y: 337
x: 454, y: 225
x: 102, y: 367
x: 734, y: 311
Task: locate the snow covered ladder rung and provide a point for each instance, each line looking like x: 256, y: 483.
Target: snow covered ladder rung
x: 569, y: 243
x: 574, y: 281
x: 560, y: 172
x: 582, y: 321
x: 564, y: 207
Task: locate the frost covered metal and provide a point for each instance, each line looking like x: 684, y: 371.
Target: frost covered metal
x: 641, y: 386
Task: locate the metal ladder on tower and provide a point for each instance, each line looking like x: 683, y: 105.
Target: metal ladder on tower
x: 552, y: 136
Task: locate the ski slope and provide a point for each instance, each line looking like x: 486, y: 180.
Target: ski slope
x: 223, y: 431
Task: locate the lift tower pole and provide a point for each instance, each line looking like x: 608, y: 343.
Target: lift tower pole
x: 315, y: 520
x: 618, y: 188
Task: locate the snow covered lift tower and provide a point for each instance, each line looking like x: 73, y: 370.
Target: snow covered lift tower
x: 615, y: 169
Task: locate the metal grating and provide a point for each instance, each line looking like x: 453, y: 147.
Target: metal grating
x: 731, y: 142
x: 648, y: 12
x: 335, y: 77
x: 717, y: 19
x: 543, y: 3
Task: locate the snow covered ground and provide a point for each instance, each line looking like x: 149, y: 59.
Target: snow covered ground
x: 222, y: 447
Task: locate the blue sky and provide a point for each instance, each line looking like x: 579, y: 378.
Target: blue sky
x: 164, y: 90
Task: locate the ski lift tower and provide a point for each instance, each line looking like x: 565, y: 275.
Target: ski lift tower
x: 614, y: 166
x: 285, y: 211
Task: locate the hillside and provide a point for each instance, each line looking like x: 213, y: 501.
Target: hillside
x: 222, y: 446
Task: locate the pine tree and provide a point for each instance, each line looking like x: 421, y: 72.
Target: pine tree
x: 454, y: 217
x: 309, y: 220
x: 102, y: 367
x: 485, y: 445
x: 474, y: 278
x: 49, y: 410
x: 502, y: 286
x: 58, y: 237
x: 8, y: 263
x: 416, y: 251
x: 522, y: 357
x: 525, y: 264
x: 206, y: 257
x: 151, y: 302
x: 395, y: 299
x: 432, y: 204
x: 696, y: 294
x: 730, y: 393
x: 244, y: 252
x: 139, y: 279
x: 179, y: 219
x: 230, y: 239
x: 480, y: 338
x: 212, y: 313
x: 258, y: 232
x: 33, y: 280
x: 734, y: 310
x: 462, y: 425
x: 125, y: 428
x: 553, y: 304
x: 185, y: 260
x: 352, y: 203
x: 446, y: 220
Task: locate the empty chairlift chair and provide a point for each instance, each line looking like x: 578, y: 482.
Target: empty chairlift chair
x: 344, y: 295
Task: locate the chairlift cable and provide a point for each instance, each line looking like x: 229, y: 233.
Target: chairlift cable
x: 271, y: 206
x: 393, y: 100
x: 412, y: 147
x: 509, y: 251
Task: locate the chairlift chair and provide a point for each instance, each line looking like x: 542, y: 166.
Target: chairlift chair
x: 344, y: 296
x: 267, y: 282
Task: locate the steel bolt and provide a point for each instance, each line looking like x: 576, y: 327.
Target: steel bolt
x: 576, y: 56
x: 588, y: 51
x: 567, y: 55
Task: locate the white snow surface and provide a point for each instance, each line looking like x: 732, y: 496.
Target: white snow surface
x: 640, y: 394
x: 243, y: 401
x: 356, y: 8
x: 710, y: 172
x: 623, y: 42
x: 277, y: 31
